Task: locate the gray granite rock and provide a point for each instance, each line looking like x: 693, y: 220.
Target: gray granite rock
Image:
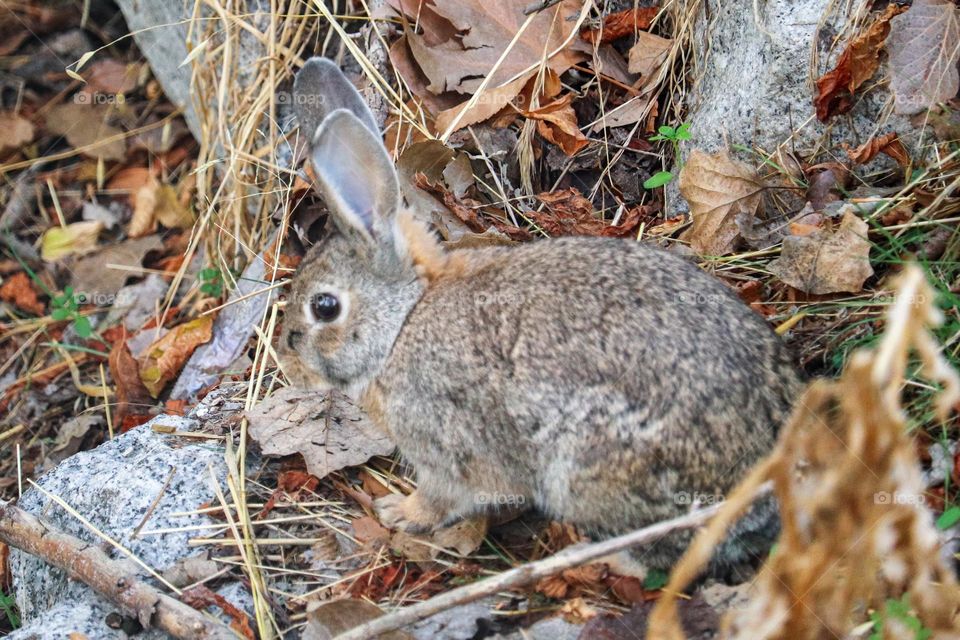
x: 114, y: 486
x: 753, y: 85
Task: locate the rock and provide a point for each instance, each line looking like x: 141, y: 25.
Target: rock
x: 114, y: 486
x: 753, y: 88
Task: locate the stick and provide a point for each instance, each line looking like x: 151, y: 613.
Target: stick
x: 526, y: 574
x: 111, y: 579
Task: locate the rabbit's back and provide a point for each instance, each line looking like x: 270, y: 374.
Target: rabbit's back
x: 574, y: 368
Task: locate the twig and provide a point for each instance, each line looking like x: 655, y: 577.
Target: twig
x: 112, y: 579
x: 539, y: 6
x: 528, y: 573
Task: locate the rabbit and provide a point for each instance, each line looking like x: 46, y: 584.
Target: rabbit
x: 607, y: 383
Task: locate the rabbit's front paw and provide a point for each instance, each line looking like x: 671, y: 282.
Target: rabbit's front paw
x: 407, y: 513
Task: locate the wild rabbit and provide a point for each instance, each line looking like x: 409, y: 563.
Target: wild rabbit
x: 607, y: 383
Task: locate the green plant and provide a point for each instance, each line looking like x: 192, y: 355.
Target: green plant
x: 673, y: 136
x: 211, y: 282
x: 66, y: 306
x: 948, y: 518
x: 898, y: 610
x: 655, y: 579
x: 9, y: 607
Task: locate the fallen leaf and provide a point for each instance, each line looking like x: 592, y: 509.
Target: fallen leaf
x: 76, y: 238
x: 463, y: 537
x: 557, y: 123
x: 129, y: 180
x: 96, y: 276
x: 616, y: 25
x: 577, y: 611
x: 201, y: 597
x: 125, y: 373
x: 434, y: 27
x: 17, y: 130
x: 827, y: 261
x: 327, y: 429
x: 858, y: 62
x: 827, y: 182
x: 368, y: 531
x: 649, y: 52
x: 85, y: 127
x: 924, y: 46
x: 327, y: 620
x: 717, y: 188
x: 112, y: 76
x: 630, y: 112
x: 568, y: 213
x: 486, y: 30
x: 156, y: 202
x: 888, y: 143
x: 469, y: 211
x: 407, y: 68
x: 19, y: 290
x: 165, y: 357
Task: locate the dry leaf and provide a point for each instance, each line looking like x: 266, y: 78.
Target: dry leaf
x: 326, y: 620
x: 165, y: 357
x: 630, y: 112
x: 487, y: 29
x: 557, y: 123
x: 858, y: 62
x: 828, y: 260
x: 718, y: 189
x: 327, y: 429
x: 112, y: 76
x: 648, y: 53
x: 888, y: 143
x: 155, y: 203
x: 924, y: 46
x: 19, y: 290
x: 367, y: 530
x: 125, y: 373
x: 568, y: 213
x: 201, y: 597
x: 17, y: 130
x: 464, y: 538
x: 94, y: 276
x: 84, y: 125
x: 616, y: 25
x: 469, y: 211
x: 76, y: 238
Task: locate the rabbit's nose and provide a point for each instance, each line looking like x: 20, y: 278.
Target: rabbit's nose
x: 293, y: 339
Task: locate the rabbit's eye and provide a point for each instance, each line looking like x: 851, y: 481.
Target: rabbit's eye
x: 325, y: 307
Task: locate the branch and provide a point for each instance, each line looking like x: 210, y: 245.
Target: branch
x: 529, y: 573
x: 111, y: 579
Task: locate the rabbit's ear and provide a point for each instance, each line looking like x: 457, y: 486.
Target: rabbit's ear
x: 319, y: 89
x: 356, y: 177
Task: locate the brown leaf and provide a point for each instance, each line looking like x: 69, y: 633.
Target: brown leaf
x: 367, y: 530
x: 84, y: 125
x: 435, y: 28
x: 486, y: 30
x: 828, y: 260
x: 164, y: 358
x: 858, y: 62
x: 718, y: 189
x: 327, y: 429
x: 155, y: 203
x: 468, y: 211
x: 648, y: 53
x: 888, y: 143
x: 568, y: 213
x: 125, y: 373
x: 616, y: 25
x: 924, y: 47
x: 17, y: 130
x: 19, y: 290
x: 557, y: 123
x: 827, y: 183
x: 112, y: 77
x: 330, y: 619
x: 201, y: 597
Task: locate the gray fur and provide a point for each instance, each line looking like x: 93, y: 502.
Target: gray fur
x: 599, y: 380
